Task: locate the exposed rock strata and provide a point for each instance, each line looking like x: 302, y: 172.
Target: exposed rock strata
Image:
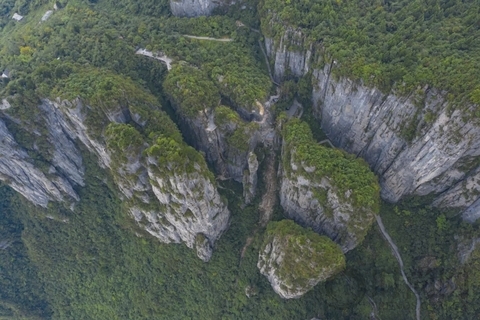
x: 329, y: 204
x: 288, y: 54
x: 294, y: 259
x: 250, y: 178
x: 174, y: 206
x: 417, y: 144
x: 18, y: 171
x: 215, y: 134
x: 193, y: 8
x: 440, y: 159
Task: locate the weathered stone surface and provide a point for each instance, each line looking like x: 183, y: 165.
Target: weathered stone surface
x: 335, y: 216
x: 440, y: 159
x: 416, y: 144
x: 294, y: 259
x: 211, y: 136
x: 250, y: 178
x: 191, y: 204
x: 179, y: 207
x: 288, y: 54
x: 340, y: 204
x: 18, y: 171
x: 193, y: 8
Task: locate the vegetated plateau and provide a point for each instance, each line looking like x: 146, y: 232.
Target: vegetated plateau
x: 226, y: 160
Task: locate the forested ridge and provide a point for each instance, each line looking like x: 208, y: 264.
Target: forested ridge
x: 399, y: 44
x: 96, y: 263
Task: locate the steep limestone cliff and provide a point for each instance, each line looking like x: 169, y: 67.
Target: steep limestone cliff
x: 174, y: 204
x: 288, y: 55
x: 186, y: 191
x: 325, y: 189
x: 418, y: 144
x: 194, y: 8
x: 226, y: 138
x: 295, y: 259
x: 18, y: 170
x: 415, y: 149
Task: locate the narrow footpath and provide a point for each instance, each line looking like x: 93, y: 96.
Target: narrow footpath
x: 208, y: 38
x: 396, y: 253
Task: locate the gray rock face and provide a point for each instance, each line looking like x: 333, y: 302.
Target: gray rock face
x: 18, y: 171
x: 288, y: 55
x: 211, y: 137
x: 441, y: 158
x: 67, y: 159
x: 66, y: 166
x: 250, y: 178
x: 193, y: 8
x: 332, y: 215
x: 294, y: 260
x: 415, y: 148
x: 273, y: 255
x: 173, y: 207
x: 192, y: 205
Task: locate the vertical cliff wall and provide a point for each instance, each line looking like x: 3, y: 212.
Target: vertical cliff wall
x: 418, y: 144
x: 194, y: 8
x: 325, y: 189
x: 295, y: 259
x: 181, y: 205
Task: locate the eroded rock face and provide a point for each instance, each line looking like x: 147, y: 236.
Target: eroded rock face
x: 416, y: 144
x: 250, y: 178
x: 172, y: 205
x: 295, y: 259
x: 326, y: 200
x: 441, y: 157
x: 191, y: 204
x: 288, y: 54
x: 60, y: 173
x: 193, y: 8
x: 228, y: 143
x: 337, y: 218
x: 17, y: 169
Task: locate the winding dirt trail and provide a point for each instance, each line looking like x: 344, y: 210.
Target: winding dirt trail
x: 396, y: 253
x: 208, y: 38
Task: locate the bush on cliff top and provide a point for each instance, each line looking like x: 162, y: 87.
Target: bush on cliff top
x: 344, y: 171
x: 191, y: 90
x: 308, y: 255
x: 403, y: 42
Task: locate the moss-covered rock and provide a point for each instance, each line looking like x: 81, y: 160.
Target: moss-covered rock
x: 295, y: 259
x: 326, y: 189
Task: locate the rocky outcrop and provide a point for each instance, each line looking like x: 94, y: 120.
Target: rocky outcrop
x: 174, y: 205
x: 415, y: 149
x: 250, y: 178
x: 295, y: 259
x: 18, y: 170
x: 61, y: 165
x: 193, y: 8
x: 288, y: 55
x: 187, y: 194
x: 227, y: 142
x: 417, y: 144
x: 334, y: 194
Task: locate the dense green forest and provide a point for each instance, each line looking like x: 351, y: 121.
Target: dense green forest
x: 95, y: 263
x: 401, y: 44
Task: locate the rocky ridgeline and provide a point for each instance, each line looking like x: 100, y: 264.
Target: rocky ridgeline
x: 295, y: 259
x: 181, y: 205
x: 324, y: 189
x: 194, y: 8
x: 416, y: 144
x: 226, y: 135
